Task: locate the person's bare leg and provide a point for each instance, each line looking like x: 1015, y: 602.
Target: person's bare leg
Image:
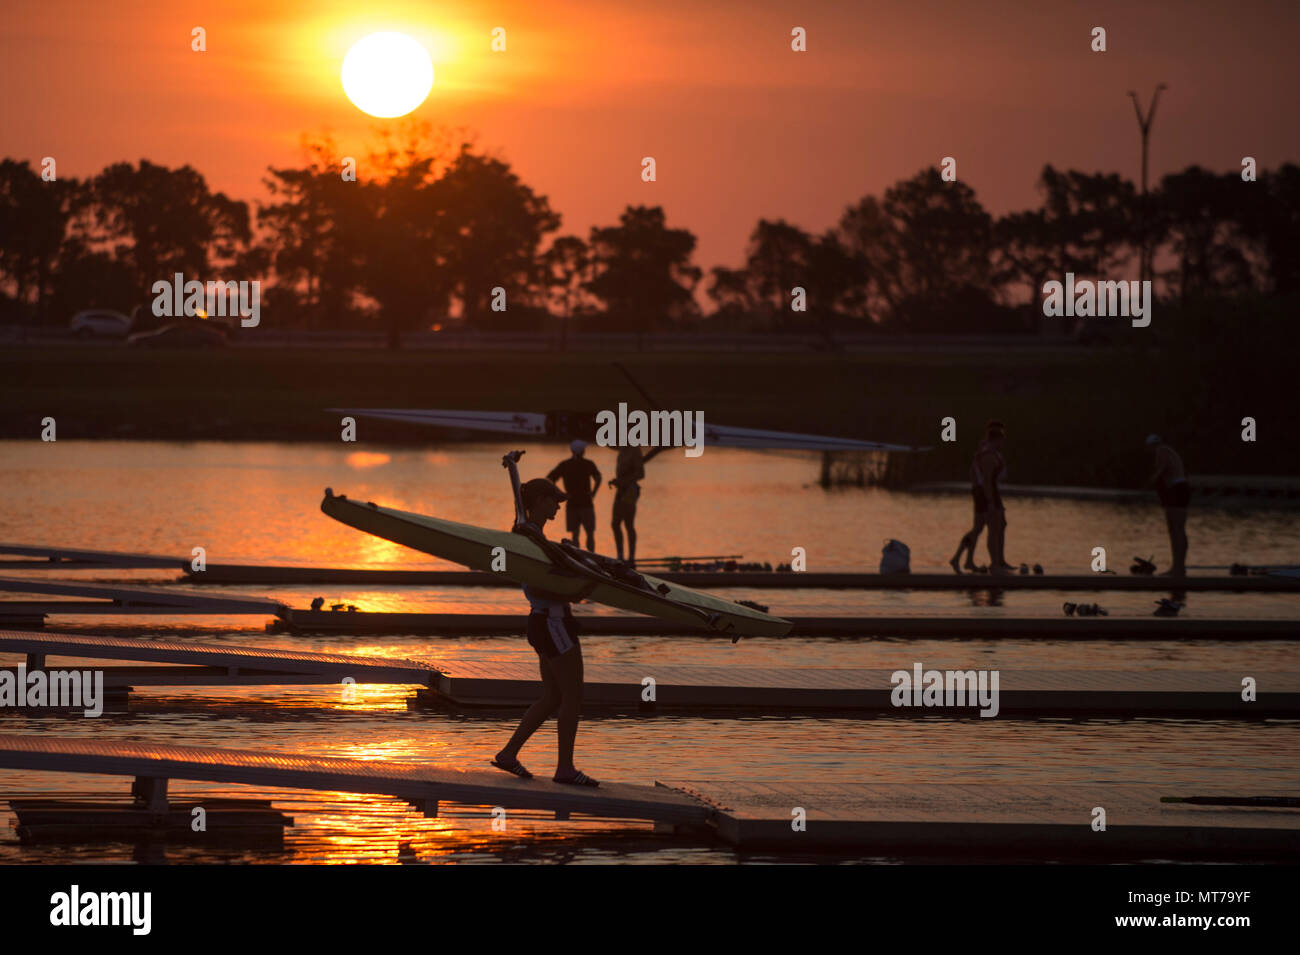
x: 567, y: 668
x: 618, y: 539
x: 1176, y: 521
x: 967, y: 546
x: 997, y: 541
x: 980, y: 520
x: 631, y: 542
x: 536, y: 715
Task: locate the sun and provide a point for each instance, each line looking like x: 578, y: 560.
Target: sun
x: 387, y: 74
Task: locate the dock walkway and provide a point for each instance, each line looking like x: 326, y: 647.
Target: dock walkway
x: 424, y: 785
x: 952, y: 819
x: 48, y: 558
x: 890, y: 819
x: 211, y: 665
x: 1021, y: 693
x: 936, y: 626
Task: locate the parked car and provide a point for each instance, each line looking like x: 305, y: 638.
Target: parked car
x: 100, y: 323
x: 179, y: 336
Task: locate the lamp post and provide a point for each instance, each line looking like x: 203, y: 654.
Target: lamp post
x: 1144, y: 124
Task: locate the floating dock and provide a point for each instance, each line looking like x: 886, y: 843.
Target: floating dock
x: 47, y: 558
x: 211, y: 665
x: 36, y: 557
x: 119, y: 600
x: 728, y: 690
x: 980, y: 626
x: 154, y: 764
x: 1022, y: 694
x: 722, y: 580
x: 950, y: 820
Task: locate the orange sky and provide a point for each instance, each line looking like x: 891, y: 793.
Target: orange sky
x: 742, y: 127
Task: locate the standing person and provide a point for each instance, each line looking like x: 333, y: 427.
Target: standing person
x: 992, y: 469
x: 581, y: 482
x: 986, y: 470
x: 552, y: 632
x: 1170, y: 480
x: 629, y: 471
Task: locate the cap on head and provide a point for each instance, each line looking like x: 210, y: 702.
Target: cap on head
x: 1153, y: 440
x: 577, y: 445
x: 539, y: 489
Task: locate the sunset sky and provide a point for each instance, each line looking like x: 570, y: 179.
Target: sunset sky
x: 742, y: 128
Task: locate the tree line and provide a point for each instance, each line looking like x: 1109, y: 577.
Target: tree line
x: 426, y: 233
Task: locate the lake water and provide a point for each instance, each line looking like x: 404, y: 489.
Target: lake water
x: 260, y: 503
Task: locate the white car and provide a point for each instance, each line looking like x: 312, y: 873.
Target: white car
x: 100, y: 323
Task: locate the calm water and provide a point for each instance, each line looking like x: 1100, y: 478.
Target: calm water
x: 260, y: 502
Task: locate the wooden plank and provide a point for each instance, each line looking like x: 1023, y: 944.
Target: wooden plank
x: 410, y: 781
x: 127, y: 600
x: 1023, y: 693
x: 334, y: 666
x: 60, y: 557
x: 955, y: 819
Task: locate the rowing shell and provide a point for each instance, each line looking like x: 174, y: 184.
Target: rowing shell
x: 527, y: 563
x: 564, y: 425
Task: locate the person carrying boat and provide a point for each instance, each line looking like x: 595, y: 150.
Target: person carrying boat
x: 1170, y: 481
x: 581, y: 481
x: 553, y: 634
x: 987, y: 469
x: 627, y: 490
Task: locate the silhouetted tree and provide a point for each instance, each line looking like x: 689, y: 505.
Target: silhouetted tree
x: 34, y: 223
x: 159, y: 221
x: 567, y: 265
x: 493, y: 225
x: 643, y: 272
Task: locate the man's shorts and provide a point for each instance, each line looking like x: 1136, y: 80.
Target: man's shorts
x: 981, y: 499
x: 552, y: 636
x: 582, y: 516
x: 1176, y: 495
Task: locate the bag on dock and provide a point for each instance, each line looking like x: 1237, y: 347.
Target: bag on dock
x: 896, y: 558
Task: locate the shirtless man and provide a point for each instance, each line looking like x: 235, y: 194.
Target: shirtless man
x: 553, y: 634
x: 1170, y: 481
x: 581, y: 480
x: 628, y: 475
x: 987, y: 470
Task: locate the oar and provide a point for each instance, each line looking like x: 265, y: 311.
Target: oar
x: 1289, y: 802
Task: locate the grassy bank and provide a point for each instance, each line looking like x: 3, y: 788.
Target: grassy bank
x: 1071, y: 414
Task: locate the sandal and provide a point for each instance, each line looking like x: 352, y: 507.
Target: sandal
x: 516, y: 767
x: 578, y: 778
